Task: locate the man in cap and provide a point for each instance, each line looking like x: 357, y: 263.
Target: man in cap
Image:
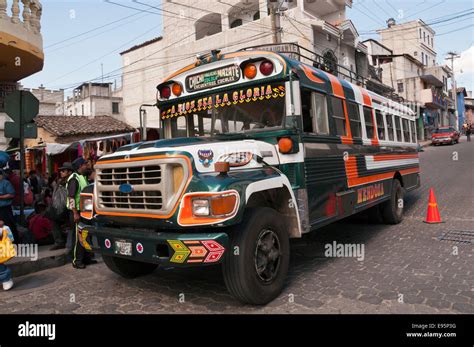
x: 76, y: 182
x: 7, y: 194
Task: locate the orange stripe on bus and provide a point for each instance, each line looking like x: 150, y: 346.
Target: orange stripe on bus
x: 351, y: 182
x: 351, y: 167
x: 395, y: 157
x: 336, y: 85
x: 409, y: 171
x: 309, y: 73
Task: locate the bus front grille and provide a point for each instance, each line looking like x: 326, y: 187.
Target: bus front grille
x: 142, y: 186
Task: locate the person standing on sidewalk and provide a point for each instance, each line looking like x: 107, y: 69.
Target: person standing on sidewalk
x: 468, y: 132
x: 76, y: 182
x: 7, y: 194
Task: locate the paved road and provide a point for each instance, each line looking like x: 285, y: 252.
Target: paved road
x: 406, y: 269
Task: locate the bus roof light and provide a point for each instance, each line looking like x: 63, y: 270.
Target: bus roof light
x: 177, y: 89
x: 266, y: 67
x: 165, y: 92
x: 250, y: 71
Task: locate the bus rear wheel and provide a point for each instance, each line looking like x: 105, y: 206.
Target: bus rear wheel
x: 392, y: 210
x: 128, y: 268
x: 256, y: 266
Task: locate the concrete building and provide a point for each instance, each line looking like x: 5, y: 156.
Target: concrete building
x: 406, y: 59
x: 94, y: 99
x: 318, y: 26
x: 461, y: 100
x: 21, y: 47
x: 469, y: 108
x: 51, y: 101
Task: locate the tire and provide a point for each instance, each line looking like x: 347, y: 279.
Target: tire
x: 128, y: 268
x: 392, y: 212
x: 452, y: 142
x: 257, y: 275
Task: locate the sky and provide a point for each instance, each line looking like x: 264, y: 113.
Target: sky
x: 75, y: 53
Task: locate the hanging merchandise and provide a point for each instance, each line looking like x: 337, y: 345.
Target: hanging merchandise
x: 79, y: 149
x: 100, y: 149
x: 108, y: 147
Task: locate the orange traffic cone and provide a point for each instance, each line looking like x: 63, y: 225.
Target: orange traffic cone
x: 433, y: 214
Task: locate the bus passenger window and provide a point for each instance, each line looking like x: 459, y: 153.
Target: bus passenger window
x: 338, y: 116
x: 389, y: 119
x: 380, y: 125
x: 354, y: 119
x: 398, y: 127
x: 320, y: 113
x: 413, y: 132
x: 369, y: 124
x: 406, y: 130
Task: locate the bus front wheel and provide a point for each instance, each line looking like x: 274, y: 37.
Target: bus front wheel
x: 256, y: 265
x: 392, y: 210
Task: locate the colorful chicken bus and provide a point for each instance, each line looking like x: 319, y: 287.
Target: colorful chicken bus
x: 256, y: 148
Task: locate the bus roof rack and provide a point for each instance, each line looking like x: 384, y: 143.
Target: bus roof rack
x: 296, y: 52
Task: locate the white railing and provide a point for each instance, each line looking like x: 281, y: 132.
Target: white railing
x: 21, y: 13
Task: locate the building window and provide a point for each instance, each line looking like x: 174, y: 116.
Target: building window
x: 82, y: 109
x: 369, y: 124
x: 354, y: 119
x: 208, y: 25
x: 431, y: 42
x: 320, y: 113
x: 115, y: 108
x: 428, y: 39
x: 330, y: 62
x: 422, y: 57
x: 424, y: 36
x: 338, y: 116
x: 400, y: 87
x: 420, y: 33
x: 236, y: 23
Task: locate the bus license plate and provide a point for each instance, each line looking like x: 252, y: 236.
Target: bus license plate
x: 123, y: 247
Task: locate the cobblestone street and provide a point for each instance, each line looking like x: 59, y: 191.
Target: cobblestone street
x: 406, y: 269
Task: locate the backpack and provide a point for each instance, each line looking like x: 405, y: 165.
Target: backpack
x: 59, y: 200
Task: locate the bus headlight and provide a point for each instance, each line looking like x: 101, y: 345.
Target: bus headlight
x: 201, y: 207
x: 86, y: 205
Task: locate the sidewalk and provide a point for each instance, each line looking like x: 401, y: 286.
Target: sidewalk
x: 46, y: 260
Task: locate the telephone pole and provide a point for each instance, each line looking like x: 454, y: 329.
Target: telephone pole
x: 275, y: 6
x: 452, y: 56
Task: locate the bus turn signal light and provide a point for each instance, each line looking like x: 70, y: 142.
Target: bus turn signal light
x: 223, y: 205
x: 285, y: 145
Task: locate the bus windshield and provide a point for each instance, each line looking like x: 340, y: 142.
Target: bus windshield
x: 229, y: 112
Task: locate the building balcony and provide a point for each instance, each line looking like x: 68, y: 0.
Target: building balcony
x: 433, y: 99
x: 21, y: 43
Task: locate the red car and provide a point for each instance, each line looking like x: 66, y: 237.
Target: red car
x: 445, y: 135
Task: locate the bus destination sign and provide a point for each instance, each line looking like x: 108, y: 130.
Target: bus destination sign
x: 213, y: 78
